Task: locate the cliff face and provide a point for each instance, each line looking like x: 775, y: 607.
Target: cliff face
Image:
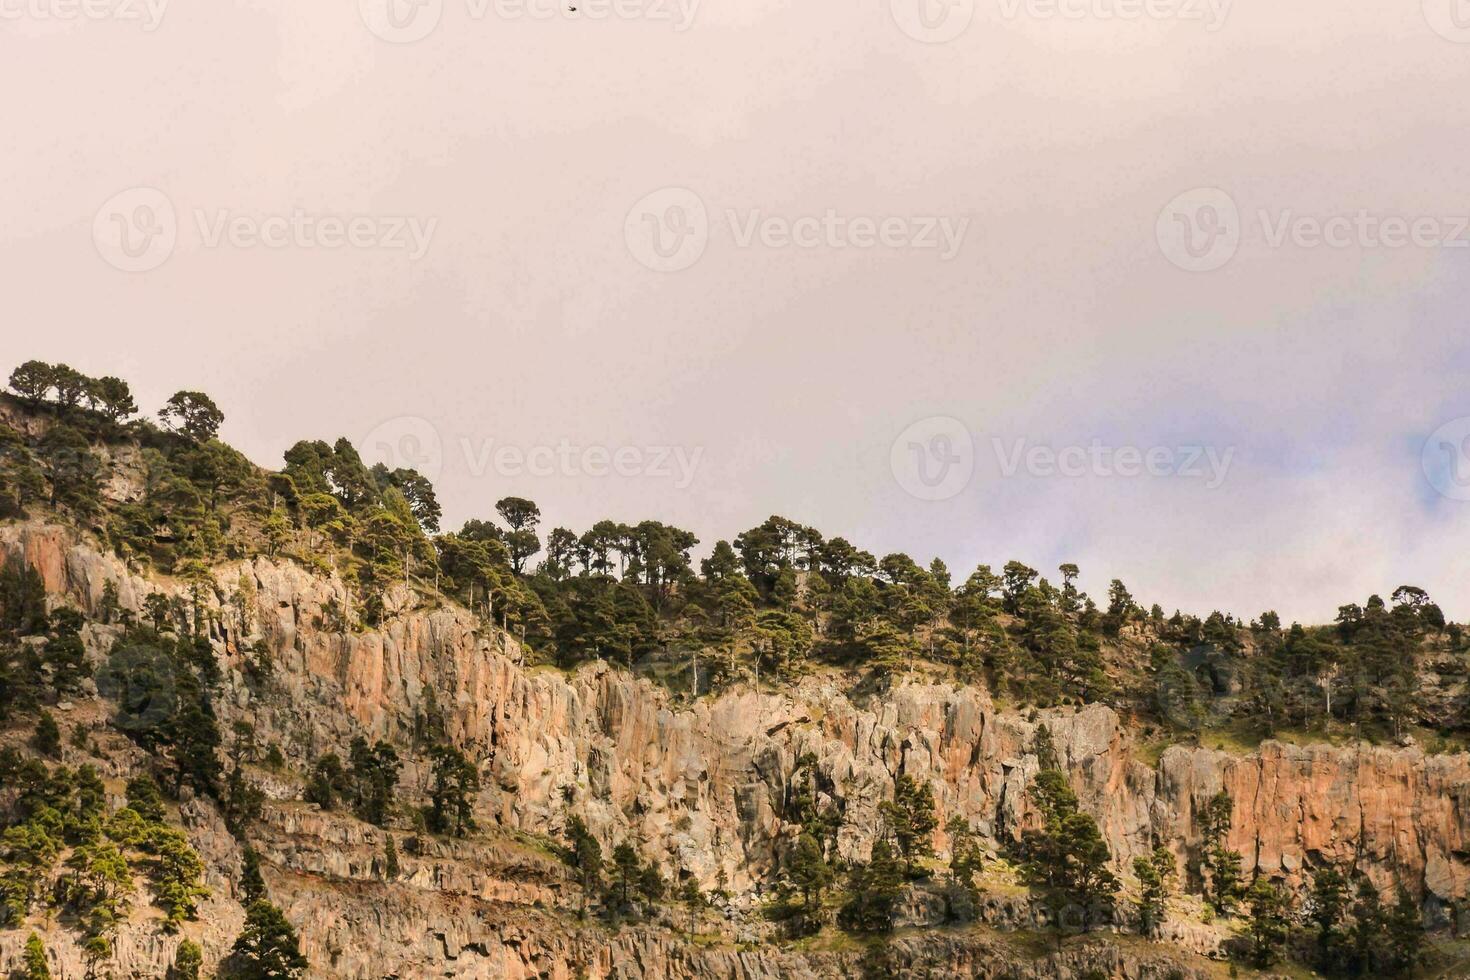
x: 700, y: 787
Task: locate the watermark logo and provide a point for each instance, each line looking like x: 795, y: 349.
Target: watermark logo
x: 412, y: 443
x: 406, y: 442
x: 302, y: 229
x: 932, y: 21
x: 934, y: 458
x: 1364, y: 229
x: 1211, y: 13
x: 407, y: 21
x: 1199, y: 231
x: 667, y: 230
x: 1450, y: 19
x: 678, y: 464
x: 1195, y: 462
x: 680, y: 13
x: 1446, y: 459
x: 148, y: 14
x: 140, y: 681
x: 401, y: 21
x: 136, y: 230
x: 942, y: 233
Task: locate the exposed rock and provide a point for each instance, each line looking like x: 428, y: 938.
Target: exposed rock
x: 699, y: 787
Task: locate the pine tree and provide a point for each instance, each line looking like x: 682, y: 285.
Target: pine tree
x: 64, y: 653
x: 1327, y: 907
x: 35, y: 959
x: 694, y: 901
x: 1045, y: 749
x: 252, y: 883
x: 1222, y: 865
x: 47, y: 737
x: 390, y: 859
x: 374, y: 779
x: 1269, y: 907
x: 1068, y: 854
x: 910, y: 817
x: 241, y: 801
x: 188, y: 961
x: 875, y: 889
x: 177, y: 873
x: 1154, y: 874
x: 625, y: 863
x: 1369, y: 933
x: 961, y: 893
x: 266, y: 949
x: 1405, y: 934
x: 455, y: 782
x: 651, y: 884
x: 145, y: 799
x: 808, y: 871
x: 195, y: 736
x: 586, y: 857
x: 326, y: 783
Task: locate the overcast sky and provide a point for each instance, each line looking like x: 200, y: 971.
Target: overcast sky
x: 905, y: 259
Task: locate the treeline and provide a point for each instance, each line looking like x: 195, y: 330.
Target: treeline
x: 768, y: 602
x: 1380, y: 668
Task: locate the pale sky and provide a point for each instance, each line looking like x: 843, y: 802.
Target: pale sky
x: 1047, y: 138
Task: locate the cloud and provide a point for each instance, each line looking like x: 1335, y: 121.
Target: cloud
x: 1059, y: 319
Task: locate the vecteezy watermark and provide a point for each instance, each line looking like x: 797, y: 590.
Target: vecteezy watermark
x: 1365, y: 229
x: 1208, y: 463
x: 669, y: 229
x: 1199, y: 230
x: 138, y: 229
x: 934, y: 458
x: 658, y: 462
x: 139, y: 679
x: 147, y: 14
x: 679, y: 13
x: 302, y: 229
x: 1450, y: 19
x: 406, y: 21
x: 412, y: 443
x: 1445, y: 458
x: 1202, y: 229
x: 1211, y: 13
x: 401, y: 21
x: 406, y: 442
x: 833, y: 230
x: 932, y: 21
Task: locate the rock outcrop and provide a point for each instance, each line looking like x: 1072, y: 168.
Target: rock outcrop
x: 701, y: 787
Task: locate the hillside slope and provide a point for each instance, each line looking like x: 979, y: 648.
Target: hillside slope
x: 700, y: 788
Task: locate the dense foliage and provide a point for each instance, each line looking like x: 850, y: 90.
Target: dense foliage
x: 768, y: 605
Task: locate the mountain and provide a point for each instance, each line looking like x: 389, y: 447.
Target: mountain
x: 279, y: 722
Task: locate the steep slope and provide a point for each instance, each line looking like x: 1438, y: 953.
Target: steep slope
x: 700, y: 787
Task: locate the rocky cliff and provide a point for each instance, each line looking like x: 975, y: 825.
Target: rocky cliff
x: 700, y: 786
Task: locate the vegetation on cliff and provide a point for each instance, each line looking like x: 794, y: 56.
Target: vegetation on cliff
x: 771, y: 603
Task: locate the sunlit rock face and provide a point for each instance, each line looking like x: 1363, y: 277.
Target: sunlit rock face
x: 700, y: 787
